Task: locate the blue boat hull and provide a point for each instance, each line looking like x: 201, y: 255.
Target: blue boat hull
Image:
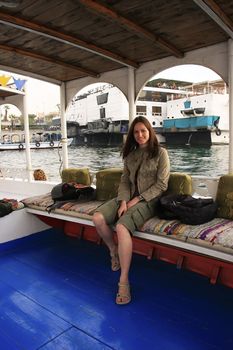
x: 194, y: 130
x: 198, y: 122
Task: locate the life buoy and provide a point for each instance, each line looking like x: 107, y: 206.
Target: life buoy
x: 51, y: 144
x: 218, y: 132
x: 20, y: 146
x: 37, y: 144
x: 216, y: 123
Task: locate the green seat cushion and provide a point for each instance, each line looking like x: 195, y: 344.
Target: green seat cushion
x: 107, y: 183
x: 179, y: 183
x: 79, y: 175
x: 224, y: 197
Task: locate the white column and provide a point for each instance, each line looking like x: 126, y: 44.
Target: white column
x: 0, y: 122
x: 27, y: 135
x: 63, y: 126
x: 131, y: 94
x: 230, y: 81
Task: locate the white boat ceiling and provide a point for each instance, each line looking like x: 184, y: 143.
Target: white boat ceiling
x: 78, y: 42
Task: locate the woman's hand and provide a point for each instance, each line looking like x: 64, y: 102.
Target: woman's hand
x: 132, y: 202
x: 122, y: 209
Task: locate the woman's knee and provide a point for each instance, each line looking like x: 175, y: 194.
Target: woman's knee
x: 121, y: 231
x: 98, y: 218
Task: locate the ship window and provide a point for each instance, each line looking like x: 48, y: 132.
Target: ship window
x: 101, y: 99
x: 156, y: 110
x: 102, y: 113
x: 141, y: 110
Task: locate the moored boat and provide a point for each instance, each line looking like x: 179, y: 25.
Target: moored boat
x: 13, y: 141
x: 180, y: 112
x: 35, y: 145
x: 202, y: 118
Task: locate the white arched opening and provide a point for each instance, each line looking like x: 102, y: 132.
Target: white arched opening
x: 163, y: 100
x: 98, y: 114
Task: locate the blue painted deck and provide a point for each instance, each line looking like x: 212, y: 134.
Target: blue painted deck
x: 58, y: 293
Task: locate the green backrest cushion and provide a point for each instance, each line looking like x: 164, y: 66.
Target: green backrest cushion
x: 224, y: 197
x: 179, y: 183
x: 79, y: 175
x: 107, y: 183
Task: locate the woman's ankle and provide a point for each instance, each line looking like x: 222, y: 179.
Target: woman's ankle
x: 113, y: 250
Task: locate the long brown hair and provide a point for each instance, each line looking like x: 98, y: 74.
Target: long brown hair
x: 131, y: 144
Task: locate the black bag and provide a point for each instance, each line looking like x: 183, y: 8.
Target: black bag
x: 187, y: 209
x: 68, y: 191
x: 65, y: 191
x: 5, y: 208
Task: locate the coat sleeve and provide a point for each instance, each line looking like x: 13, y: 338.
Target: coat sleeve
x: 124, y: 187
x: 162, y: 177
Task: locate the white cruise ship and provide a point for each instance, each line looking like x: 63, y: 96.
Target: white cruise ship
x: 180, y: 112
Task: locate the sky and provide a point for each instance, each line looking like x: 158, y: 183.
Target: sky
x: 43, y: 97
x: 189, y: 72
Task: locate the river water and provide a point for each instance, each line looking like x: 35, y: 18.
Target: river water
x: 207, y: 161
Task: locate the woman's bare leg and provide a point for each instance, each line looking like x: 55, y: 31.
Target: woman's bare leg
x: 105, y: 232
x: 125, y: 248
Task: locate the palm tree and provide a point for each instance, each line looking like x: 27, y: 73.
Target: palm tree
x: 6, y: 107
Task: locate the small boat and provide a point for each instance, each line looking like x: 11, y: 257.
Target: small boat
x: 11, y: 142
x: 37, y: 145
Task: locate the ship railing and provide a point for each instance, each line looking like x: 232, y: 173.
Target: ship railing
x: 18, y: 174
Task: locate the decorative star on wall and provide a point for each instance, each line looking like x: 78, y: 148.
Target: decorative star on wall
x: 19, y: 83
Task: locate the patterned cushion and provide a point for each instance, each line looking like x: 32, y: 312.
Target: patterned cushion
x: 225, y: 238
x: 79, y: 175
x: 224, y: 197
x: 171, y: 228
x: 38, y: 202
x: 219, y: 231
x: 79, y: 209
x: 107, y: 183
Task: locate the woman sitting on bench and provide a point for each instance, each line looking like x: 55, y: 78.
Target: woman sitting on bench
x: 144, y: 179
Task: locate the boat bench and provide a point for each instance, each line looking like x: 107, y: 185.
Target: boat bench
x: 206, y: 248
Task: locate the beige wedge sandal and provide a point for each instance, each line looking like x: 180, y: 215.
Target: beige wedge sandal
x: 123, y: 296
